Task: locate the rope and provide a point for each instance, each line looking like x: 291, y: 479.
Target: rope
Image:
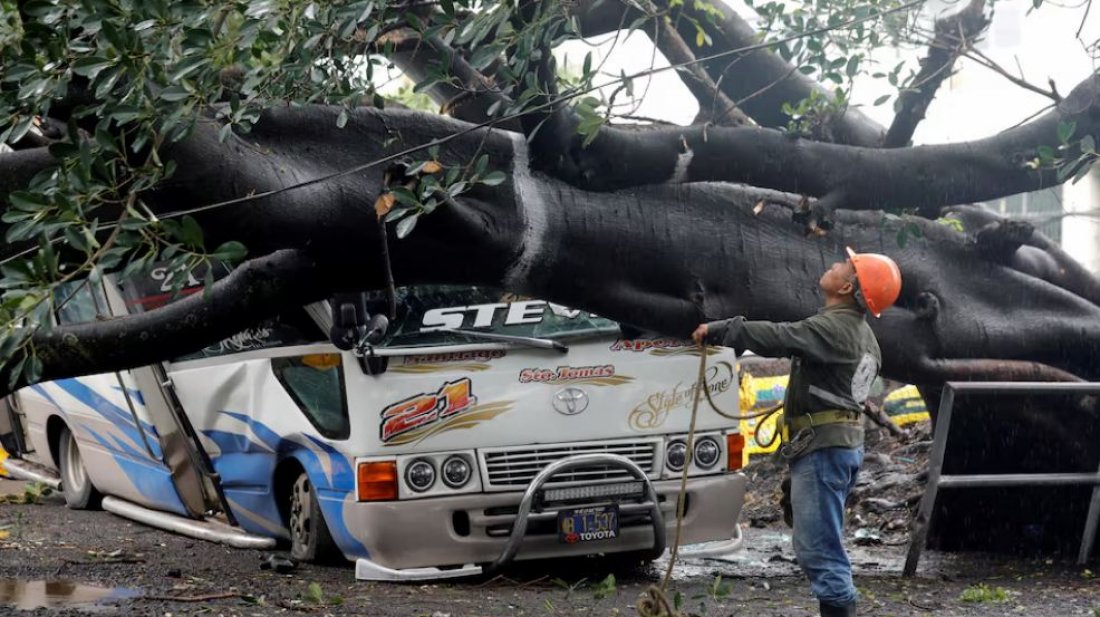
x: 654, y: 601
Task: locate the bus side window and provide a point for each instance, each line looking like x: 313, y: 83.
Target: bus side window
x: 316, y: 383
x: 75, y: 302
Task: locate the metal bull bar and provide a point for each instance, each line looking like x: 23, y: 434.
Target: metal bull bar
x: 519, y: 528
x: 937, y: 479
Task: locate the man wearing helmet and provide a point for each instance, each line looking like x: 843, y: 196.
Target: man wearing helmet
x: 834, y: 361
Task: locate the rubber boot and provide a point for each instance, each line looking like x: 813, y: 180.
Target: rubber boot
x: 831, y: 610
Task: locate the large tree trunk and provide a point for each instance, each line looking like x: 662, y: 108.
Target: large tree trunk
x: 659, y: 257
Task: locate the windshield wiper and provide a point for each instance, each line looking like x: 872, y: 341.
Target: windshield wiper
x: 530, y: 341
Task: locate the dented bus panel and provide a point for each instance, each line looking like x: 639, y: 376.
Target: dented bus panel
x: 479, y: 429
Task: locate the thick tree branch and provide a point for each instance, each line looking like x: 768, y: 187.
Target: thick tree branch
x: 953, y: 36
x: 470, y: 99
x: 256, y: 290
x: 847, y: 176
x: 1036, y: 254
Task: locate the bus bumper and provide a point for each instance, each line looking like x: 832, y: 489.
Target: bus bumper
x: 465, y: 535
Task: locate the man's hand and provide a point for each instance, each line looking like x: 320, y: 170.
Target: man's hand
x: 700, y: 334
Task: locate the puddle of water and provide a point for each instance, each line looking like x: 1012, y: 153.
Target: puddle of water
x: 29, y: 595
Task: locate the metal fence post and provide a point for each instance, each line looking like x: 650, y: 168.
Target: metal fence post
x: 921, y: 523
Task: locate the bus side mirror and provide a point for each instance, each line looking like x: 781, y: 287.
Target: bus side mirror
x: 377, y: 327
x: 355, y: 329
x: 353, y: 325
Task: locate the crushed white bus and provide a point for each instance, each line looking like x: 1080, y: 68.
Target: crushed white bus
x: 476, y: 429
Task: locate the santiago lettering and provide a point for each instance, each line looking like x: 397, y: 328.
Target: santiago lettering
x: 457, y: 356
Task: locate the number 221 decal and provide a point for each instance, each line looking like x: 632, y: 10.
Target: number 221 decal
x: 422, y: 409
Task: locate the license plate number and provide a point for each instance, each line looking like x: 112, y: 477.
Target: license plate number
x: 588, y: 524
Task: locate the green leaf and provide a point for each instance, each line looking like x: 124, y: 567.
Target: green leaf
x: 174, y: 94
x: 405, y: 196
x: 1066, y: 130
x: 484, y: 56
x: 27, y: 201
x: 191, y: 233
x: 882, y: 99
x: 493, y: 178
x: 16, y: 373
x: 1088, y: 144
x: 314, y: 594
x: 230, y: 252
x: 186, y: 67
x: 405, y: 227
x: 33, y: 369
x: 701, y: 36
x: 853, y: 66
x: 90, y: 66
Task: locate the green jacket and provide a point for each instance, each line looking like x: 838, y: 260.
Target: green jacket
x: 834, y: 362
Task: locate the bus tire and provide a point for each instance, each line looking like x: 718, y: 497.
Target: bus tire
x: 76, y: 485
x: 310, y: 539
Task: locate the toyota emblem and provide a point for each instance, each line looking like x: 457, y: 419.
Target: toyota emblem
x: 570, y: 401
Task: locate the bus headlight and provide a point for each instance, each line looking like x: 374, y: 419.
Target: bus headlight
x: 420, y: 475
x: 676, y: 455
x: 707, y: 452
x: 456, y: 472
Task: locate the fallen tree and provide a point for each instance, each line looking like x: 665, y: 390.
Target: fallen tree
x: 658, y: 227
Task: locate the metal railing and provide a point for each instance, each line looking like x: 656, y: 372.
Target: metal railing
x: 937, y: 479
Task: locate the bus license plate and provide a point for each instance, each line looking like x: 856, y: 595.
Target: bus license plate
x: 588, y: 524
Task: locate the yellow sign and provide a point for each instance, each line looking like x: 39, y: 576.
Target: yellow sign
x: 905, y: 406
x: 3, y: 456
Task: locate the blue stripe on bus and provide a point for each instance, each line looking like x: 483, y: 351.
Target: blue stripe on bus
x: 332, y: 495
x: 152, y: 480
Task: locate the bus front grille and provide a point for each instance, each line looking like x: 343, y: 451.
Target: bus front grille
x: 514, y: 468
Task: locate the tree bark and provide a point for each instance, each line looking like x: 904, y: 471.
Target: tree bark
x: 923, y: 177
x: 254, y: 291
x: 663, y: 258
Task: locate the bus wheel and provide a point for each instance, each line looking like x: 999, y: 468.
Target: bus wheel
x: 80, y: 493
x: 309, y: 536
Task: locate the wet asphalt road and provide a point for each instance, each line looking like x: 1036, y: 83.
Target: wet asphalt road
x: 143, y: 571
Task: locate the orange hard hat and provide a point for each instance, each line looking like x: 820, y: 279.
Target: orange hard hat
x: 879, y: 280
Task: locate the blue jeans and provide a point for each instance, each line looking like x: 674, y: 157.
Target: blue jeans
x: 820, y: 483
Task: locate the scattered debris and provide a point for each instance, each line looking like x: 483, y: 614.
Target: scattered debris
x: 203, y: 598
x: 32, y: 494
x: 278, y: 563
x: 865, y: 536
x: 984, y: 593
